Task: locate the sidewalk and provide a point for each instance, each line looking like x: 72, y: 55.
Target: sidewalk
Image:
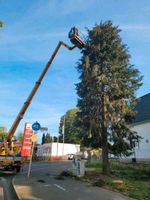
x: 1, y: 191
x: 28, y: 188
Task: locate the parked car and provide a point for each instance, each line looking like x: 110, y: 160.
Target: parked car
x: 70, y: 156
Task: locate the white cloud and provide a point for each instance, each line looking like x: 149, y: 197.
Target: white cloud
x: 46, y: 115
x: 13, y: 39
x: 136, y: 27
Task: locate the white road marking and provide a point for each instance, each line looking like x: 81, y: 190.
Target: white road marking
x: 61, y: 188
x: 48, y: 185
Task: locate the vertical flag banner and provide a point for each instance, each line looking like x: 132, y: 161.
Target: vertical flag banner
x: 27, y: 141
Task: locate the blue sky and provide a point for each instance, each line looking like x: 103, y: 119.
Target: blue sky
x: 31, y: 32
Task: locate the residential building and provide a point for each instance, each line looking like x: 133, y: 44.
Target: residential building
x: 141, y: 125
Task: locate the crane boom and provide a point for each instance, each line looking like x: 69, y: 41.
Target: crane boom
x: 35, y: 88
x: 77, y: 42
x: 4, y: 146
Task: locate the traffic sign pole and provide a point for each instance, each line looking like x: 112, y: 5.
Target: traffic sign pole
x: 34, y: 139
x: 30, y: 164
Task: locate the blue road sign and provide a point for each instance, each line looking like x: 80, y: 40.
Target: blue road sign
x: 36, y: 126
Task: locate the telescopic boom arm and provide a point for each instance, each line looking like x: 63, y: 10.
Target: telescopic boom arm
x: 77, y: 42
x: 34, y: 90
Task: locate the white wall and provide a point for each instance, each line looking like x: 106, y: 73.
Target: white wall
x: 143, y: 152
x: 57, y: 149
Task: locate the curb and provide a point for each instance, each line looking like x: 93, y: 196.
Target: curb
x: 13, y: 180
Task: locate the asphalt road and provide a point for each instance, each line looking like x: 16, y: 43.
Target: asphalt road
x: 39, y: 170
x: 44, y: 185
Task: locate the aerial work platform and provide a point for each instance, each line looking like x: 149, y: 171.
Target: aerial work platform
x: 75, y: 39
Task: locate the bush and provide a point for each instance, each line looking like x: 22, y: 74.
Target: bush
x: 99, y: 183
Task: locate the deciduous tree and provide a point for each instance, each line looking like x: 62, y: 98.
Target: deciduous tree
x: 3, y: 132
x: 71, y: 128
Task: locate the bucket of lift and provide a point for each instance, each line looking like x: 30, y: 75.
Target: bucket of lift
x: 75, y: 38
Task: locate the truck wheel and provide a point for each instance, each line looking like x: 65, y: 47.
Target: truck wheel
x: 7, y: 168
x: 18, y: 168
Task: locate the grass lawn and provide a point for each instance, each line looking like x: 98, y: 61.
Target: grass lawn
x: 132, y: 180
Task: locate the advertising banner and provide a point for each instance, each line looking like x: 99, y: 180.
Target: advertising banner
x: 27, y: 141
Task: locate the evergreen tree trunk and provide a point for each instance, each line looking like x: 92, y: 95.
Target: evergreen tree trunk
x: 105, y: 166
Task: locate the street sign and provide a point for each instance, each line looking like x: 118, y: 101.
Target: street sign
x: 43, y: 129
x: 36, y: 126
x: 34, y: 138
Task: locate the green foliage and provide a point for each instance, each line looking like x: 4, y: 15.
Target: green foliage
x: 94, y: 164
x: 71, y: 128
x: 107, y: 88
x: 1, y: 24
x: 135, y: 178
x: 48, y: 138
x: 43, y: 139
x: 131, y: 172
x: 55, y: 139
x: 3, y: 129
x: 123, y: 140
x: 59, y: 177
x: 61, y: 128
x: 19, y: 136
x: 3, y: 132
x: 99, y: 183
x: 67, y: 173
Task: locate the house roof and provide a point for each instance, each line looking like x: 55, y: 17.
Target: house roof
x: 143, y: 109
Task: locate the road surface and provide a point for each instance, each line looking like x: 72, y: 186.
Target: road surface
x: 43, y: 185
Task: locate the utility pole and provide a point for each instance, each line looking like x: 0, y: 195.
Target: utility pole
x: 63, y: 133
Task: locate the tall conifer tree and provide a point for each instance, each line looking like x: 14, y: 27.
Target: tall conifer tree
x: 43, y: 138
x: 47, y: 138
x: 1, y: 24
x: 107, y: 87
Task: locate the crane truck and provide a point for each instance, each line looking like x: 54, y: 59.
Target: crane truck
x: 8, y: 149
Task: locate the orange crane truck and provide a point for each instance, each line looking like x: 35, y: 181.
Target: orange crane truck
x: 8, y: 149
